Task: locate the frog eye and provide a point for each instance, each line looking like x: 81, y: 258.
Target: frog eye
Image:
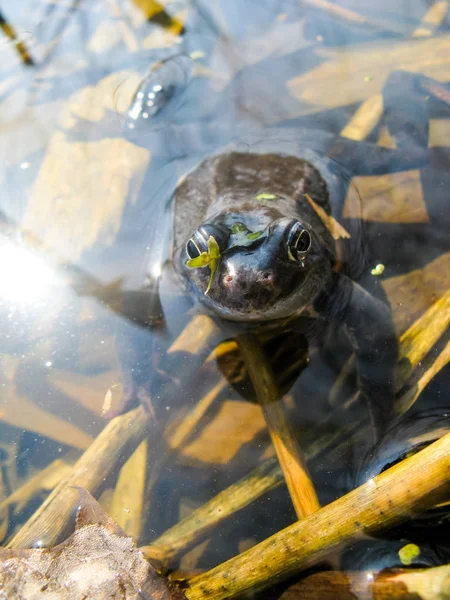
x: 298, y: 242
x: 192, y: 248
x: 198, y: 243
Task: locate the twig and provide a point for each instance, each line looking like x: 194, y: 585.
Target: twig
x: 106, y: 454
x: 300, y: 486
x: 196, y: 339
x: 420, y: 338
x: 191, y: 420
x: 128, y: 500
x: 21, y: 48
x: 44, y: 481
x: 409, y: 397
x: 365, y: 119
x: 420, y: 584
x: 200, y: 332
x: 194, y: 528
x: 414, y: 485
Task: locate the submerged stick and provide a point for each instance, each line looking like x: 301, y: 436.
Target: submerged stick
x: 184, y: 430
x: 414, y: 485
x: 420, y: 584
x: 365, y: 119
x: 420, y: 338
x: 106, y: 454
x: 199, y: 333
x: 298, y: 481
x: 128, y: 499
x: 199, y: 524
x: 44, y: 481
x: 409, y: 397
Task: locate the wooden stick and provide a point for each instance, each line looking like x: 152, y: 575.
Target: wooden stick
x: 409, y: 397
x: 414, y: 485
x: 128, y: 499
x: 199, y: 524
x: 107, y: 453
x: 300, y: 486
x: 44, y: 481
x: 178, y: 435
x: 420, y: 338
x: 21, y: 48
x: 199, y: 333
x: 365, y: 119
x: 193, y: 417
x: 420, y: 584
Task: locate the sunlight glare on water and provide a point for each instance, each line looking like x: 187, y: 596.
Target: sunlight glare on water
x: 25, y: 279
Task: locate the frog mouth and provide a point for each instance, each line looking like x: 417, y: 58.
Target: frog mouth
x: 239, y: 298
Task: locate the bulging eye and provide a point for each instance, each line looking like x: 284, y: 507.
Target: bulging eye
x: 198, y: 243
x: 298, y: 242
x: 192, y: 248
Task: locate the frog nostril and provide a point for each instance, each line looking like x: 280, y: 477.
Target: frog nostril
x: 227, y: 281
x: 267, y: 278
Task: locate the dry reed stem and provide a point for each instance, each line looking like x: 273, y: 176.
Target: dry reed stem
x: 293, y: 465
x: 414, y: 485
x: 106, y: 454
x: 199, y: 524
x: 409, y: 397
x: 196, y: 336
x: 45, y: 480
x: 128, y: 500
x: 419, y: 339
x: 193, y: 417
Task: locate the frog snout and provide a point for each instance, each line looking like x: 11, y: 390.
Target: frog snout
x: 235, y: 283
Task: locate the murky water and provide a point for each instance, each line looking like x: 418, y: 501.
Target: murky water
x: 105, y: 108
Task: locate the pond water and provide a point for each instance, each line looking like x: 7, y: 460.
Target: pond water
x: 106, y: 110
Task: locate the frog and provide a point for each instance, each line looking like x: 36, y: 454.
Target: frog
x: 256, y: 240
x: 255, y: 247
x: 264, y: 255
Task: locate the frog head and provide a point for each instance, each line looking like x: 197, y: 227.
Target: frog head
x: 255, y: 264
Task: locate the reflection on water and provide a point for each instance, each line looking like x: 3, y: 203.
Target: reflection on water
x: 160, y: 91
x: 101, y: 130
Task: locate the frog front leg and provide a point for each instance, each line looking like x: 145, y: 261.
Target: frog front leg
x: 137, y: 336
x: 369, y: 328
